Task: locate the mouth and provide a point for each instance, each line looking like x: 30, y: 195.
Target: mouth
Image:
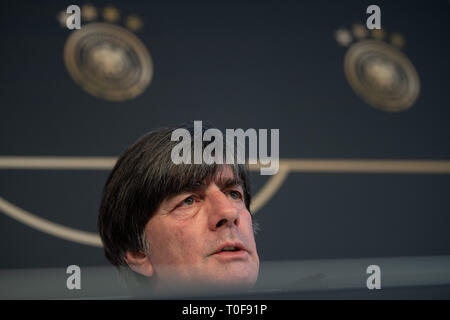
x: 231, y: 250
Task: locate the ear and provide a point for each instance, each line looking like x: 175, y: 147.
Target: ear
x: 139, y: 262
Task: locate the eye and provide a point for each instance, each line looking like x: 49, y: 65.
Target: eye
x: 235, y: 195
x: 188, y: 201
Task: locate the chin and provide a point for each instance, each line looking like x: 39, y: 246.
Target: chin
x: 238, y: 280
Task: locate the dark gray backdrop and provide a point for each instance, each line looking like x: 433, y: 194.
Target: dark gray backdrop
x: 244, y: 65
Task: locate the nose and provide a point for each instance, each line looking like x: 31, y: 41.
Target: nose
x: 223, y: 212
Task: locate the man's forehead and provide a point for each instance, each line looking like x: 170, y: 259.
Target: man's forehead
x: 225, y: 177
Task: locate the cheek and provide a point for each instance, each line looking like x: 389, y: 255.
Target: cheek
x: 169, y: 243
x: 246, y: 227
x: 246, y: 222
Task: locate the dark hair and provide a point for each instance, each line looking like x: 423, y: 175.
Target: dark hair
x: 142, y: 178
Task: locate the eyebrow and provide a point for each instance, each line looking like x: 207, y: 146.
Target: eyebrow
x: 201, y: 186
x: 221, y: 183
x: 229, y: 182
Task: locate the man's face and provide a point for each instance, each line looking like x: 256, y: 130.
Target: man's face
x: 204, y: 237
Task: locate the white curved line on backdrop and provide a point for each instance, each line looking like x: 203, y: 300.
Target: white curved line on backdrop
x: 49, y: 227
x: 260, y: 199
x: 269, y: 189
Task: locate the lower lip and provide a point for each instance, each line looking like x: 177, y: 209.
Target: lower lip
x: 241, y: 254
